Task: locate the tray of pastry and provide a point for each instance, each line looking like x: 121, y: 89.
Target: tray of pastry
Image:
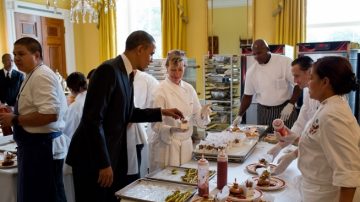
x: 177, y: 174
x: 156, y: 190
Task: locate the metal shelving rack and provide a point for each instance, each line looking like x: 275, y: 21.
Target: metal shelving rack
x: 222, y: 89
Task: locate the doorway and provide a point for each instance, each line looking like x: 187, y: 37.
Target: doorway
x: 50, y: 33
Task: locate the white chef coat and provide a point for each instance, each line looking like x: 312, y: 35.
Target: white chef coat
x: 174, y: 149
x: 73, y: 114
x: 329, y: 151
x: 44, y: 94
x: 272, y: 82
x: 307, y: 111
x: 144, y: 86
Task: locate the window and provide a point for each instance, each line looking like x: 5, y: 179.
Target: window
x: 135, y: 15
x: 333, y: 20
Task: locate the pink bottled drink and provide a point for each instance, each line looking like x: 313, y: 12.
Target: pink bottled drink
x: 222, y: 169
x: 279, y: 127
x: 203, y: 177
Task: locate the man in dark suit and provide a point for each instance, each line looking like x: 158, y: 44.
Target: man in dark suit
x: 10, y: 81
x: 98, y: 151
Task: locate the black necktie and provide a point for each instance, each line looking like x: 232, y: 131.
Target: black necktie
x: 131, y: 77
x: 7, y: 78
x: 8, y: 75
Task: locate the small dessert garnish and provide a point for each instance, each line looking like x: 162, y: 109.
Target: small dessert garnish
x: 248, y: 183
x: 184, y: 124
x: 235, y: 189
x: 8, y: 159
x: 263, y: 162
x: 264, y: 179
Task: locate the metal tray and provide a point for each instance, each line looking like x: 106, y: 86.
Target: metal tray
x: 167, y: 175
x: 235, y: 154
x: 153, y: 190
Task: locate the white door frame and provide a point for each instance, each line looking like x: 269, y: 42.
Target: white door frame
x: 12, y: 6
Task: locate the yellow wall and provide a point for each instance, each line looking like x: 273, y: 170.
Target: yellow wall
x: 86, y: 37
x: 229, y: 25
x: 197, y: 38
x: 264, y: 26
x: 3, y: 34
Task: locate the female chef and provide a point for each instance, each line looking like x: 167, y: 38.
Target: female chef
x: 170, y: 144
x: 329, y: 149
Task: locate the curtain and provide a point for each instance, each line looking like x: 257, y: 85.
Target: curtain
x: 3, y: 34
x: 174, y: 17
x: 107, y: 31
x: 290, y: 22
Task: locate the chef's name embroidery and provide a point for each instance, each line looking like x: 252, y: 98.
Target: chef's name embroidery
x: 314, y: 127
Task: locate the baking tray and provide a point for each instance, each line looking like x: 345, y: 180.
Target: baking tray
x: 235, y: 154
x: 166, y: 174
x: 153, y: 190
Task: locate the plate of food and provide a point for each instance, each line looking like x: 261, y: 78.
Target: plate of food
x: 267, y: 183
x: 239, y: 193
x: 251, y: 168
x: 9, y: 161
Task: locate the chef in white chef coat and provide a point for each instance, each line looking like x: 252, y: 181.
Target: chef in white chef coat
x: 144, y: 86
x: 170, y: 144
x: 300, y: 69
x: 329, y: 148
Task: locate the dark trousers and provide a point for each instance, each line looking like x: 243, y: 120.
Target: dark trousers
x: 35, y: 170
x: 59, y: 180
x: 266, y: 115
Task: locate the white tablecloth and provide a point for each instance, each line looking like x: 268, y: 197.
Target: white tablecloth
x: 8, y: 179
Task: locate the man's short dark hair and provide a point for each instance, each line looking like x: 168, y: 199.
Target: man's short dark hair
x: 31, y: 44
x: 138, y: 38
x: 76, y: 81
x: 305, y: 62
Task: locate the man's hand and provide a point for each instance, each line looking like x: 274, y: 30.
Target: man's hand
x: 286, y: 112
x: 205, y: 111
x: 237, y: 121
x: 284, y: 162
x: 106, y: 177
x: 5, y: 119
x: 173, y: 112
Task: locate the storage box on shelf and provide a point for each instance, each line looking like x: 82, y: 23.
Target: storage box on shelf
x: 222, y: 89
x: 157, y: 69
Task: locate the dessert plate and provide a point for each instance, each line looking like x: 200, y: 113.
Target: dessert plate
x: 275, y: 184
x: 251, y: 168
x: 257, y: 195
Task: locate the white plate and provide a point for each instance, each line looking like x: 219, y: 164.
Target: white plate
x: 251, y: 168
x: 11, y: 166
x: 276, y: 184
x: 257, y: 195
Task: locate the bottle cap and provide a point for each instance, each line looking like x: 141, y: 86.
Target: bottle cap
x: 278, y: 124
x: 203, y: 160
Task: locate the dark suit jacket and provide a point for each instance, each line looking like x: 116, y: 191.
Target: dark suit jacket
x: 100, y: 139
x: 9, y: 91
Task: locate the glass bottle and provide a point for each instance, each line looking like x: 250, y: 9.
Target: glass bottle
x: 222, y: 169
x: 203, y: 177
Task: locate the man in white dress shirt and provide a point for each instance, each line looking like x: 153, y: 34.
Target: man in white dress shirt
x: 271, y: 80
x: 38, y: 123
